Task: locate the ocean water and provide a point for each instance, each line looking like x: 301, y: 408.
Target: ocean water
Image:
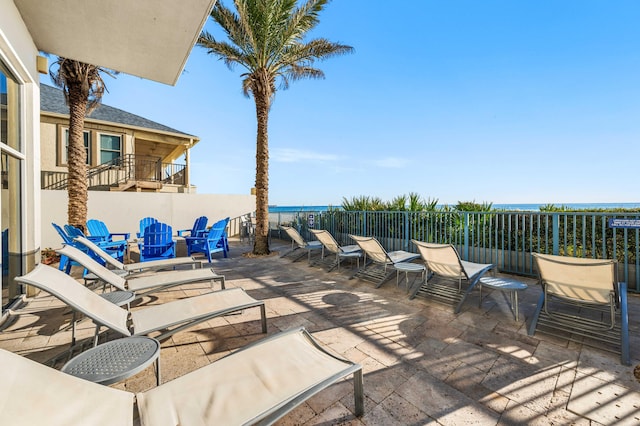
x: 515, y: 207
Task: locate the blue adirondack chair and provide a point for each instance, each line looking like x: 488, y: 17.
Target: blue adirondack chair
x: 114, y: 248
x: 157, y: 242
x: 213, y: 241
x: 98, y: 231
x: 144, y: 222
x: 199, y: 228
x: 65, y: 262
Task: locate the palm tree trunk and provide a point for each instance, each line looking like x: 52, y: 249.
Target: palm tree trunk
x: 262, y: 98
x: 76, y: 158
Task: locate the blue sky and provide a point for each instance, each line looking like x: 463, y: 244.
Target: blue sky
x: 528, y: 101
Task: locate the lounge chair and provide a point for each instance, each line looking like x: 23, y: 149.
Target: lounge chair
x: 444, y: 264
x: 157, y: 243
x: 257, y: 384
x: 299, y: 243
x: 380, y: 268
x: 214, y: 241
x: 132, y: 268
x: 330, y: 245
x: 167, y: 318
x: 582, y: 301
x: 147, y: 284
x: 199, y: 228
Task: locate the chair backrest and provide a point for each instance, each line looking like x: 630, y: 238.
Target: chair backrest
x: 65, y: 238
x: 77, y: 296
x: 587, y: 280
x: 218, y: 229
x: 97, y: 228
x: 158, y: 238
x: 372, y: 249
x: 294, y: 235
x: 327, y: 240
x: 441, y: 259
x: 73, y: 232
x: 144, y: 222
x: 90, y: 245
x: 199, y: 226
x: 93, y: 266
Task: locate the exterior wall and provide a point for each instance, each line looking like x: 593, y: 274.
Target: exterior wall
x: 18, y: 52
x: 122, y: 211
x: 48, y: 149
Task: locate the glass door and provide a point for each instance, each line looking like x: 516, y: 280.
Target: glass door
x: 10, y: 186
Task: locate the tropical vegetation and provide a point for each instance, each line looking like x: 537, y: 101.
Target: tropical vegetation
x: 267, y: 39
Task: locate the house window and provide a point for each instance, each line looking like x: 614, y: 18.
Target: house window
x: 9, y: 112
x: 110, y: 147
x: 87, y: 146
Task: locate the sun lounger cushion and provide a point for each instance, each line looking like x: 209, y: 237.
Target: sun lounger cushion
x: 258, y: 383
x: 34, y: 394
x: 241, y: 388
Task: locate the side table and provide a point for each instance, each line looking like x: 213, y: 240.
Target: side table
x: 504, y: 284
x: 407, y: 267
x: 116, y: 360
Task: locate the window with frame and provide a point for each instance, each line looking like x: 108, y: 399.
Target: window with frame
x: 9, y: 111
x: 87, y: 146
x: 110, y: 147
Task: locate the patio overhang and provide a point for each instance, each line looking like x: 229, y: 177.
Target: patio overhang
x: 151, y: 39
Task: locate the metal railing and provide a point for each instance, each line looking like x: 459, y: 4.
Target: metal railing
x: 119, y: 170
x: 504, y: 238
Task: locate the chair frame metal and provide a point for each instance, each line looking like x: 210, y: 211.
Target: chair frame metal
x: 380, y: 267
x: 455, y: 269
x: 596, y: 318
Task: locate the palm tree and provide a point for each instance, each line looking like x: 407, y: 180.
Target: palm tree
x: 266, y: 37
x: 83, y: 88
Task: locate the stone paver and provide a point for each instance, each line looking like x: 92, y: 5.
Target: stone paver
x: 422, y: 363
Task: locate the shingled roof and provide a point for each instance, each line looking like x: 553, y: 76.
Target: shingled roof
x: 52, y: 100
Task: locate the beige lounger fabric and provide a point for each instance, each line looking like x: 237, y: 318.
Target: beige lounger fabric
x: 157, y: 317
x: 260, y: 382
x: 157, y: 281
x: 77, y: 296
x: 593, y: 282
x: 34, y: 394
x: 135, y: 267
x: 186, y: 311
x: 240, y: 387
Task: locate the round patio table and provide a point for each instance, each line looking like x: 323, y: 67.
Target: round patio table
x: 116, y: 360
x: 504, y: 284
x: 407, y: 267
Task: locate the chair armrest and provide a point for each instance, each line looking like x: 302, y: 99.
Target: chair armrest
x: 182, y: 232
x: 124, y: 235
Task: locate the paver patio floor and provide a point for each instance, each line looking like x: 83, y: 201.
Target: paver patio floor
x: 422, y: 363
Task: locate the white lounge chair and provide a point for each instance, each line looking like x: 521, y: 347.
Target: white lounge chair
x: 145, y: 284
x: 382, y: 262
x: 132, y: 268
x: 257, y: 384
x: 330, y: 245
x: 443, y: 261
x: 583, y: 301
x: 169, y: 318
x: 299, y: 243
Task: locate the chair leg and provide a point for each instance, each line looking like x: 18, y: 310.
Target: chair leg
x: 536, y: 315
x: 625, y: 356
